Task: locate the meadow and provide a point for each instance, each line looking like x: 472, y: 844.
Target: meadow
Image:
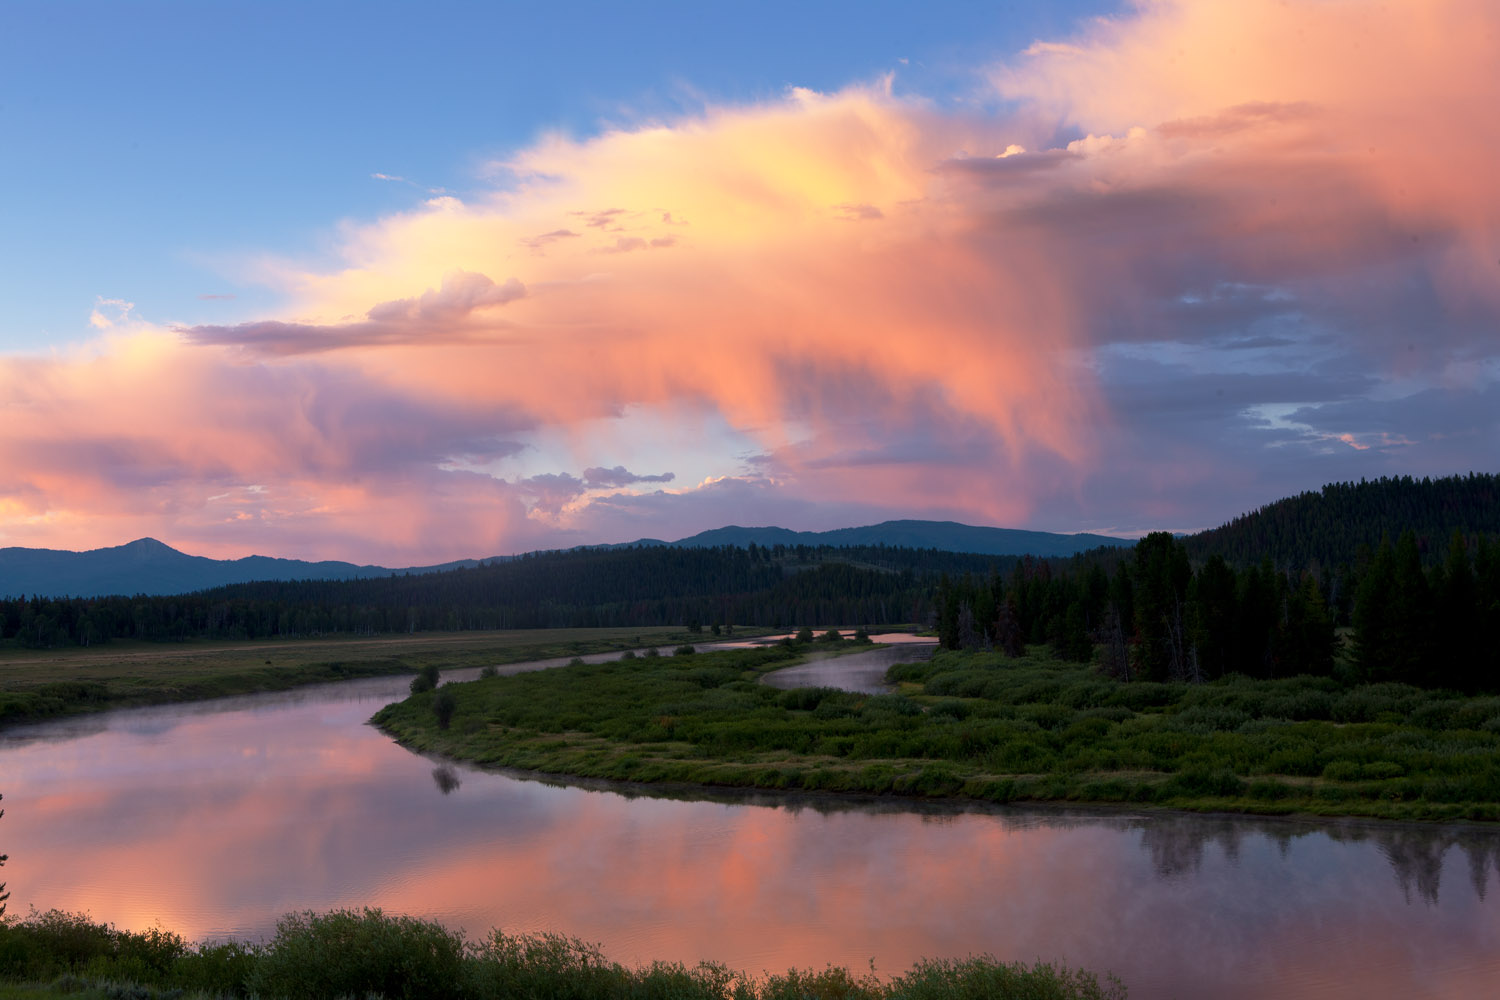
x: 40, y: 684
x: 981, y: 726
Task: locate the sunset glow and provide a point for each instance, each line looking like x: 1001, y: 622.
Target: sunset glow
x: 1185, y: 259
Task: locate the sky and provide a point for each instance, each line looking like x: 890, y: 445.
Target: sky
x: 405, y: 283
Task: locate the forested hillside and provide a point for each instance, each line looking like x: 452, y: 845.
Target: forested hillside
x: 1330, y: 526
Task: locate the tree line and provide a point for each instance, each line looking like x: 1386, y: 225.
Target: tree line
x: 1158, y: 617
x: 655, y: 585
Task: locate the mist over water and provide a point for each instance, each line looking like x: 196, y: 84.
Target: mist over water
x: 214, y: 818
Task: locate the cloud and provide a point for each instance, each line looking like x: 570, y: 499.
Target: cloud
x: 625, y: 244
x: 444, y: 313
x: 621, y: 476
x: 856, y: 213
x: 100, y: 317
x: 550, y: 492
x: 602, y: 220
x: 537, y: 242
x: 1195, y: 257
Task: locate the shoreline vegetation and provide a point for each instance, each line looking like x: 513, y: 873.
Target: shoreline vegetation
x: 37, y: 685
x: 984, y: 727
x: 368, y: 953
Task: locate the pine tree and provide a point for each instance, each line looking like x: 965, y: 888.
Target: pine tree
x: 1162, y: 573
x: 1372, y: 616
x: 1411, y: 614
x: 1457, y: 620
x: 1308, y: 638
x: 1213, y: 601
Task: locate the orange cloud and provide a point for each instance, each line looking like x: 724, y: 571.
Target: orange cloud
x: 892, y: 306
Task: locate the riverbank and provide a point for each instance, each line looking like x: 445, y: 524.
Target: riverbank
x: 43, y: 684
x: 346, y: 953
x: 985, y: 728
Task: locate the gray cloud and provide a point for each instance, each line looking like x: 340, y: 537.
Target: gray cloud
x: 537, y: 242
x: 436, y: 316
x: 620, y: 476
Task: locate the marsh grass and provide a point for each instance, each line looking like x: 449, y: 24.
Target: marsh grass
x: 367, y: 953
x: 979, y: 726
x: 40, y: 684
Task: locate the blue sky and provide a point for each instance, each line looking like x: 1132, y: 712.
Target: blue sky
x: 151, y: 149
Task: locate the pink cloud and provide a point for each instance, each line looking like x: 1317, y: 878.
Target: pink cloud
x: 908, y: 311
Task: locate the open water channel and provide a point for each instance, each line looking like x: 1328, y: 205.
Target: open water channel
x: 213, y: 818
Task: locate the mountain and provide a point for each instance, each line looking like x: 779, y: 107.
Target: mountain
x: 948, y: 536
x: 146, y: 566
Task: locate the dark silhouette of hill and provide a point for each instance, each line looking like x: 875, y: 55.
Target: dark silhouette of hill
x: 947, y: 536
x: 1329, y: 526
x: 146, y: 566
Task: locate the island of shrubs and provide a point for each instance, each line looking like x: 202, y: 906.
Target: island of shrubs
x: 987, y: 726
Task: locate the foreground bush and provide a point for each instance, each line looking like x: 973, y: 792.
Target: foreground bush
x: 367, y: 953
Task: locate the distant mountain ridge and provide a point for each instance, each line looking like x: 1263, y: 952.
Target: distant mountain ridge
x: 147, y: 566
x: 947, y: 536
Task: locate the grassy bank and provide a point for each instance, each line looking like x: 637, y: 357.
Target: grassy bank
x: 347, y: 953
x: 979, y: 726
x: 40, y: 684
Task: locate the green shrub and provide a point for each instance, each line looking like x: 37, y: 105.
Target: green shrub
x: 806, y: 699
x: 444, y: 704
x: 1200, y: 781
x: 984, y: 978
x: 346, y: 953
x: 426, y: 679
x: 1343, y: 770
x: 217, y: 968
x: 1268, y: 790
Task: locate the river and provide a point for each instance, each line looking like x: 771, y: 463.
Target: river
x: 213, y: 818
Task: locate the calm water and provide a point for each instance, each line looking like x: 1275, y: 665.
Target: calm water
x: 214, y: 818
x: 862, y: 672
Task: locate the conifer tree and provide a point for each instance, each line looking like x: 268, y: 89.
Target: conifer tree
x: 1373, y: 630
x: 1456, y: 619
x: 1411, y: 614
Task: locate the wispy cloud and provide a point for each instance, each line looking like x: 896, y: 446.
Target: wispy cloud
x: 438, y: 315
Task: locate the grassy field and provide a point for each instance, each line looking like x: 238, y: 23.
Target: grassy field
x: 978, y: 726
x: 349, y: 953
x: 38, y: 684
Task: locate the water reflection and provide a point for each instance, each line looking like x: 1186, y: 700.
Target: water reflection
x: 215, y: 818
x: 445, y: 776
x: 863, y: 672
